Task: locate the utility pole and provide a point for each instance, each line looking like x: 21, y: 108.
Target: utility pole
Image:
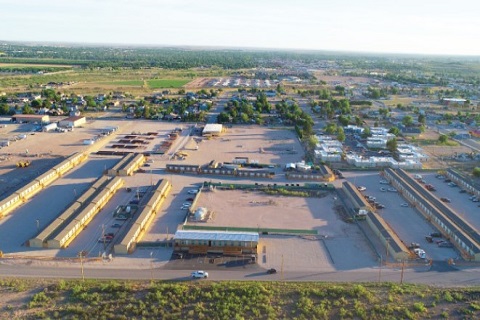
x: 281, y: 269
x: 103, y: 237
x: 403, y: 267
x: 151, y: 266
x: 386, y: 253
x: 380, y: 270
x: 81, y: 254
x: 38, y: 225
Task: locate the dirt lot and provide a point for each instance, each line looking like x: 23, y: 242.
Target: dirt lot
x: 197, y: 83
x: 260, y: 144
x: 236, y: 208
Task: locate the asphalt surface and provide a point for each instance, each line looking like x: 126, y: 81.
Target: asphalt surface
x: 440, y: 274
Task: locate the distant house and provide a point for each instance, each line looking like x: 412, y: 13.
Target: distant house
x: 411, y: 131
x: 452, y: 101
x: 271, y: 93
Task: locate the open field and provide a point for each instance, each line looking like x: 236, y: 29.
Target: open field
x: 98, y: 81
x: 39, y: 299
x: 127, y: 83
x: 166, y: 83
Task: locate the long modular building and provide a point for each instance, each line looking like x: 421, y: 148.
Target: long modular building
x: 394, y: 245
x: 61, y: 231
x: 464, y: 236
x: 81, y: 220
x: 141, y: 223
x: 36, y: 185
x: 127, y: 165
x: 357, y: 199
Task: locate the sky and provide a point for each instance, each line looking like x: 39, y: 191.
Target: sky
x: 441, y: 27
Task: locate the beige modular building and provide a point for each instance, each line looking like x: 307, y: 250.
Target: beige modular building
x: 72, y: 122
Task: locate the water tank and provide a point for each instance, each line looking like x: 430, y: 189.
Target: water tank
x: 128, y: 209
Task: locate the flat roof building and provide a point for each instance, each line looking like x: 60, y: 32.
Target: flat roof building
x: 40, y: 118
x: 224, y: 242
x: 72, y: 122
x: 212, y: 130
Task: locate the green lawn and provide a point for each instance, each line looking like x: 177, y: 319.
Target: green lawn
x: 167, y: 83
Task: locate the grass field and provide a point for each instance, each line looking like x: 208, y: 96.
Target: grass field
x: 167, y: 83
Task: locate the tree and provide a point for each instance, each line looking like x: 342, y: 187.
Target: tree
x: 36, y: 104
x: 358, y: 121
x: 340, y: 134
x: 422, y: 119
x: 443, y: 139
x: 476, y: 172
x: 312, y: 142
x: 307, y: 129
x: 146, y: 112
x: 344, y: 120
x: 331, y: 128
x: 366, y: 132
x: 392, y: 145
x: 407, y: 121
x: 394, y: 130
x: 27, y: 109
x: 4, y: 109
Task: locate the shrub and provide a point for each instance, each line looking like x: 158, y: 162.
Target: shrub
x: 447, y: 296
x: 419, y: 307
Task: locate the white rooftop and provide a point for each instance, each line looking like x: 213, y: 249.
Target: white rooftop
x: 216, y: 235
x: 213, y: 128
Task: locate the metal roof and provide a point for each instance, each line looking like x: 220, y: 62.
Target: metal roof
x: 216, y: 235
x: 212, y: 128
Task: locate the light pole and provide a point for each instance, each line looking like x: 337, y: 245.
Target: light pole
x: 38, y: 225
x: 81, y: 254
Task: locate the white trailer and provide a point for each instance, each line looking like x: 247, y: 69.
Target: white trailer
x: 50, y: 127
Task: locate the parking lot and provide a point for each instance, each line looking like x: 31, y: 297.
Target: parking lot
x: 459, y: 202
x: 409, y: 224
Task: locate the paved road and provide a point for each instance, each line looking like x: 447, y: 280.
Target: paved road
x: 440, y: 274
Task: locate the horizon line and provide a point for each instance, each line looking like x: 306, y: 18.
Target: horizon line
x: 214, y: 47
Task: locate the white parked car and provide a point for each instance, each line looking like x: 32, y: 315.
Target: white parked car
x: 199, y: 274
x: 383, y: 189
x: 392, y: 189
x: 384, y: 182
x: 420, y: 253
x: 194, y: 191
x: 404, y: 204
x: 361, y: 188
